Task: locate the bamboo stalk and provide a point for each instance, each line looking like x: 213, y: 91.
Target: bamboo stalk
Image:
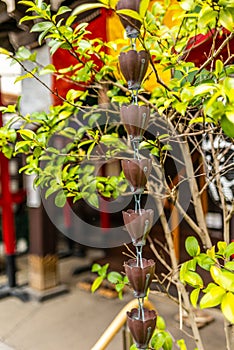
x: 117, y: 324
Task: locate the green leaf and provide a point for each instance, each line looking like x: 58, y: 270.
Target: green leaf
x: 60, y: 199
x: 205, y: 261
x: 96, y: 267
x: 158, y: 340
x: 194, y: 296
x: 212, y: 298
x: 96, y: 283
x: 51, y: 190
x: 229, y: 265
x: 114, y: 277
x: 192, y: 246
x: 37, y: 152
x: 93, y: 200
x: 168, y: 343
x: 229, y: 250
x: 42, y: 26
x: 7, y: 151
x: 103, y: 270
x: 227, y: 307
x: 119, y: 287
x: 192, y: 264
x: 94, y: 118
x: 166, y: 148
x: 155, y: 152
x: 55, y: 45
x: 25, y: 54
x: 227, y: 123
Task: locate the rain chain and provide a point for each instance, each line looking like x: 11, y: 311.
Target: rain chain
x: 138, y: 221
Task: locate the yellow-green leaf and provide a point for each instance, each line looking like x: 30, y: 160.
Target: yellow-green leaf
x: 181, y: 344
x: 96, y: 283
x: 50, y: 68
x: 194, y: 296
x: 130, y: 13
x: 223, y: 278
x: 193, y: 279
x: 211, y: 252
x: 4, y: 52
x: 227, y: 307
x: 226, y: 18
x: 204, y: 89
x: 218, y: 67
x: 27, y: 134
x: 213, y: 297
x: 160, y: 324
x: 228, y: 85
x: 86, y: 7
x: 144, y: 4
x: 27, y: 75
x: 221, y: 247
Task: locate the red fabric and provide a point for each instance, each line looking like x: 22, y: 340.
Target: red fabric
x: 8, y: 226
x: 62, y: 58
x: 104, y: 215
x: 200, y: 47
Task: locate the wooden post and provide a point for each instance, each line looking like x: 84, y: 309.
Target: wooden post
x: 44, y: 281
x: 43, y: 261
